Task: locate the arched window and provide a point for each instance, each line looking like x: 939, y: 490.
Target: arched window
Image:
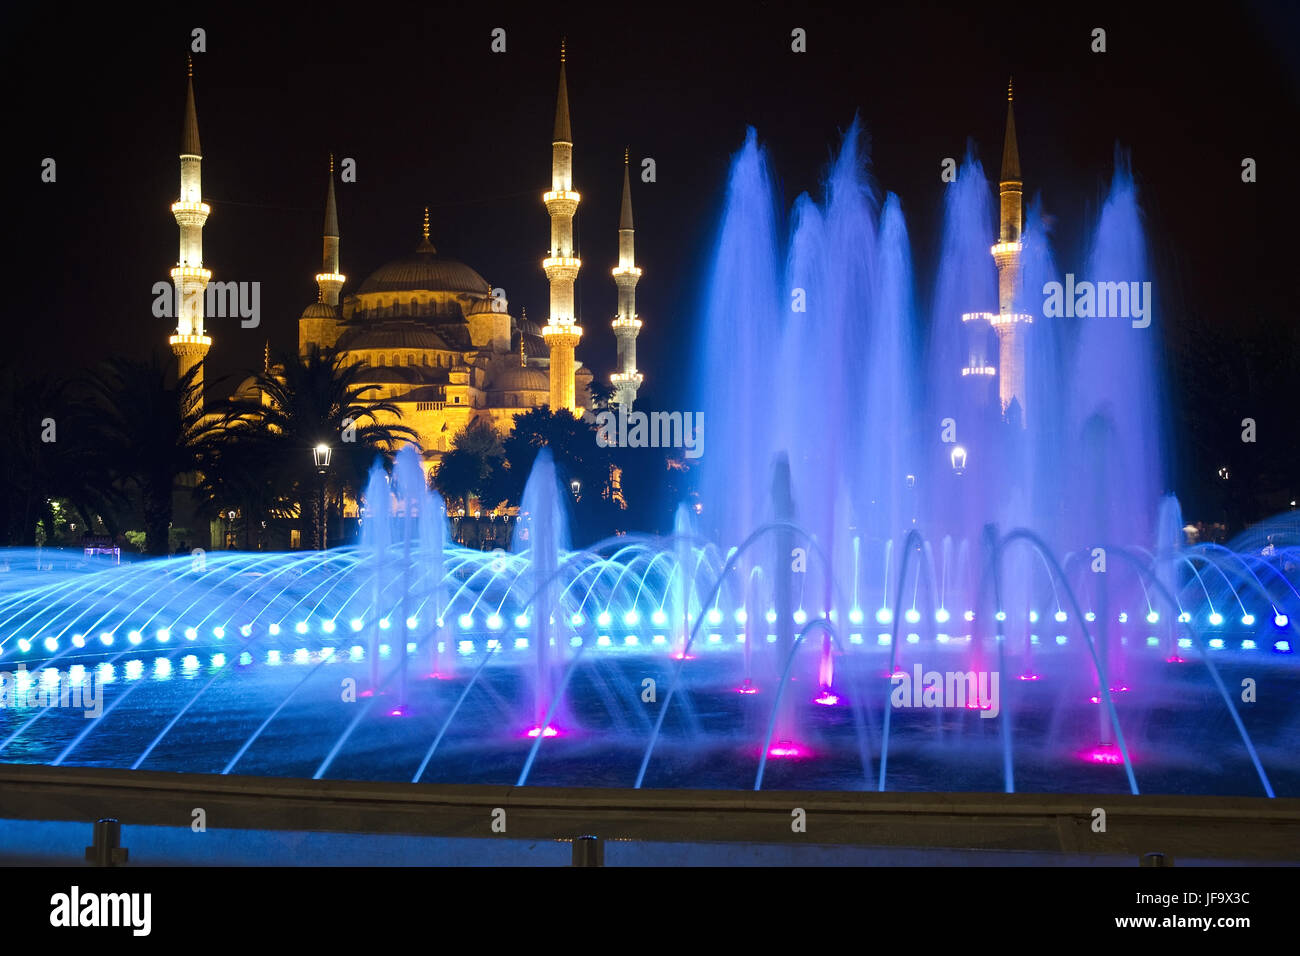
x: 381, y: 361
x: 410, y: 359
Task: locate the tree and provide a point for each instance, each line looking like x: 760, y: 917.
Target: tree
x: 148, y: 431
x: 602, y: 394
x: 472, y: 467
x: 304, y: 401
x: 577, y: 455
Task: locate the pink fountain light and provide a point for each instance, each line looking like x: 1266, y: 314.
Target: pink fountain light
x: 826, y: 698
x: 786, y: 748
x: 1107, y: 754
x: 548, y: 731
x: 747, y: 687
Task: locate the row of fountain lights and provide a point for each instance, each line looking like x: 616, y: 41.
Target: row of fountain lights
x: 632, y: 618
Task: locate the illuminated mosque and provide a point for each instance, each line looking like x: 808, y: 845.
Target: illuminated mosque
x: 439, y: 342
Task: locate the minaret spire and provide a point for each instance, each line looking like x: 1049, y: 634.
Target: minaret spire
x: 626, y: 380
x: 562, y: 264
x: 563, y: 134
x: 189, y: 343
x: 330, y: 280
x: 1010, y: 150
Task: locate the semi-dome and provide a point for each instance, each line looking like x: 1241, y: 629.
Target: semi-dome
x: 320, y: 310
x: 425, y: 271
x: 390, y: 335
x: 519, y: 378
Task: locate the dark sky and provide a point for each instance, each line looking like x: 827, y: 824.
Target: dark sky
x: 433, y: 117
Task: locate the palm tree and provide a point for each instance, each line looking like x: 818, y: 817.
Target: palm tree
x: 148, y: 431
x: 602, y: 394
x: 472, y: 468
x: 308, y: 400
x: 46, y: 458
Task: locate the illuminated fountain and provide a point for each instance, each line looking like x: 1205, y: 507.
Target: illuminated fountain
x: 868, y: 514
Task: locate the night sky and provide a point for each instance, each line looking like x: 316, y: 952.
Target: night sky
x: 432, y: 117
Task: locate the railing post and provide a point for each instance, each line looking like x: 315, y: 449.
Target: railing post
x: 107, y: 849
x: 1156, y: 859
x: 588, y: 851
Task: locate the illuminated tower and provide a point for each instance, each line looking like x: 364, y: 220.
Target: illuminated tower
x: 189, y: 277
x: 562, y: 265
x: 319, y: 323
x: 626, y: 325
x: 1009, y: 324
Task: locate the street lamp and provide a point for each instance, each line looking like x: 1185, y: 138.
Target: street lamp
x: 320, y: 456
x: 230, y: 530
x: 575, y: 486
x: 958, y: 459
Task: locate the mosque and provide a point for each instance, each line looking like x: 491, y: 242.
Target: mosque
x: 438, y: 341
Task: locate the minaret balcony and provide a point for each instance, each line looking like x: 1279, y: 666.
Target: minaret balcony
x: 562, y: 195
x: 626, y: 324
x: 192, y: 272
x: 996, y: 319
x: 1005, y: 249
x: 979, y: 370
x: 633, y: 271
x: 334, y: 278
x: 559, y: 268
x: 190, y: 343
x: 562, y: 331
x: 626, y: 379
x: 191, y: 213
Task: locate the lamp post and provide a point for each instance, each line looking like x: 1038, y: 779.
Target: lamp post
x: 321, y: 455
x: 230, y: 530
x: 576, y: 487
x: 958, y: 458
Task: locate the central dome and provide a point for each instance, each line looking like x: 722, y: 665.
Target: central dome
x: 425, y: 271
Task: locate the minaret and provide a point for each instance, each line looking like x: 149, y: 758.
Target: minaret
x: 189, y: 277
x: 626, y: 324
x: 330, y: 281
x: 319, y: 323
x: 1008, y: 323
x: 562, y: 265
